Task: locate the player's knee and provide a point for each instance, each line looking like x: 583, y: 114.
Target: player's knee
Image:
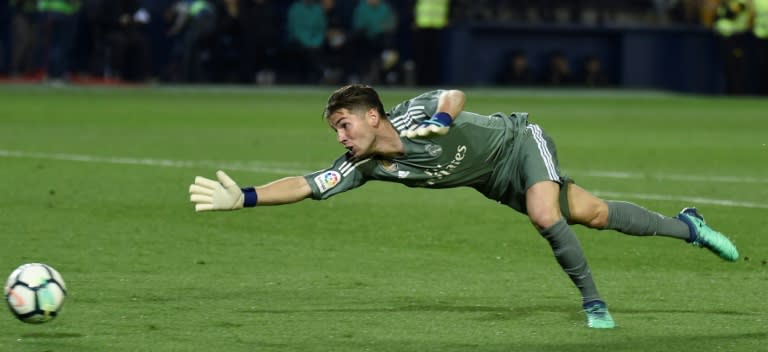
x: 599, y: 216
x: 544, y: 218
x: 592, y: 214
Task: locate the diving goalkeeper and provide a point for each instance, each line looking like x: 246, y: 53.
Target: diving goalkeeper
x: 430, y: 141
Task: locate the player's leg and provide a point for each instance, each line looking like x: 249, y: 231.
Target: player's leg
x: 542, y: 202
x: 543, y: 181
x: 632, y: 219
x: 544, y: 213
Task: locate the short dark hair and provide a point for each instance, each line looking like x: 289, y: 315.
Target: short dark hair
x: 354, y: 97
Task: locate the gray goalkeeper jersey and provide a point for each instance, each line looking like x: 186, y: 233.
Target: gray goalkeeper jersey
x: 477, y: 152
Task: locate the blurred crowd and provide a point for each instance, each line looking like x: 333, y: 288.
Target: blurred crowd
x: 589, y: 12
x: 303, y: 41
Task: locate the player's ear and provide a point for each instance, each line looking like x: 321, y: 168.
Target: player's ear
x: 372, y: 115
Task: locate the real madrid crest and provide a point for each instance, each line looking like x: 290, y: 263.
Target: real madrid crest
x: 433, y: 149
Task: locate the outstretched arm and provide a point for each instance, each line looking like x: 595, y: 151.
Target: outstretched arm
x: 284, y: 191
x: 225, y: 194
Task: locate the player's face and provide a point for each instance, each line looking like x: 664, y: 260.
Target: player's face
x: 353, y: 130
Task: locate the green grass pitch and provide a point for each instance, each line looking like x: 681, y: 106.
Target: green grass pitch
x: 94, y: 182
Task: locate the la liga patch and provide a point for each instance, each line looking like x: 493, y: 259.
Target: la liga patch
x: 327, y: 180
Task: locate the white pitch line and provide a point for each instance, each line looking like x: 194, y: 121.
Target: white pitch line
x: 670, y: 177
x: 275, y: 168
x: 260, y: 167
x: 692, y: 200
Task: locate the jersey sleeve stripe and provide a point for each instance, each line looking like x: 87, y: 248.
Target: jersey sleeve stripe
x: 403, y: 121
x: 344, y: 166
x: 346, y: 169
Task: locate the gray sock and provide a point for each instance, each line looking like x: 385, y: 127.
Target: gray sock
x: 635, y: 220
x: 571, y: 258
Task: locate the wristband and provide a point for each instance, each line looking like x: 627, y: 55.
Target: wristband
x: 443, y: 117
x: 250, y: 197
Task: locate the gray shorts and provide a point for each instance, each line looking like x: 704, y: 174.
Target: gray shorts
x: 535, y: 160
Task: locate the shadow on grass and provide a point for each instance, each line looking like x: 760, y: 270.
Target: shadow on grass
x: 620, y: 340
x: 501, y: 312
x: 434, y: 307
x: 685, y: 311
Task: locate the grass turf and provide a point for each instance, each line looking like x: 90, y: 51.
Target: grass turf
x: 94, y: 183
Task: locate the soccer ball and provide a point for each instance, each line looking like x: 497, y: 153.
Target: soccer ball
x: 35, y: 293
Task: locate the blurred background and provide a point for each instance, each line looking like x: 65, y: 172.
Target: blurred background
x: 697, y: 46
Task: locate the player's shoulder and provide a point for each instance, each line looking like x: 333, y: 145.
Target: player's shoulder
x: 343, y: 168
x: 346, y: 163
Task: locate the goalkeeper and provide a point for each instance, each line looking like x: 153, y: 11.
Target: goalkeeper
x: 430, y: 141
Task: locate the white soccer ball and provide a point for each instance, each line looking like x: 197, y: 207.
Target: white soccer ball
x: 35, y: 293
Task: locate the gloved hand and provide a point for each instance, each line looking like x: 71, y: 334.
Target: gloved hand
x: 208, y: 194
x: 438, y: 125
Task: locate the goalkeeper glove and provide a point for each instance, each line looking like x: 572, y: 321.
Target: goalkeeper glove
x: 438, y: 125
x: 225, y: 194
